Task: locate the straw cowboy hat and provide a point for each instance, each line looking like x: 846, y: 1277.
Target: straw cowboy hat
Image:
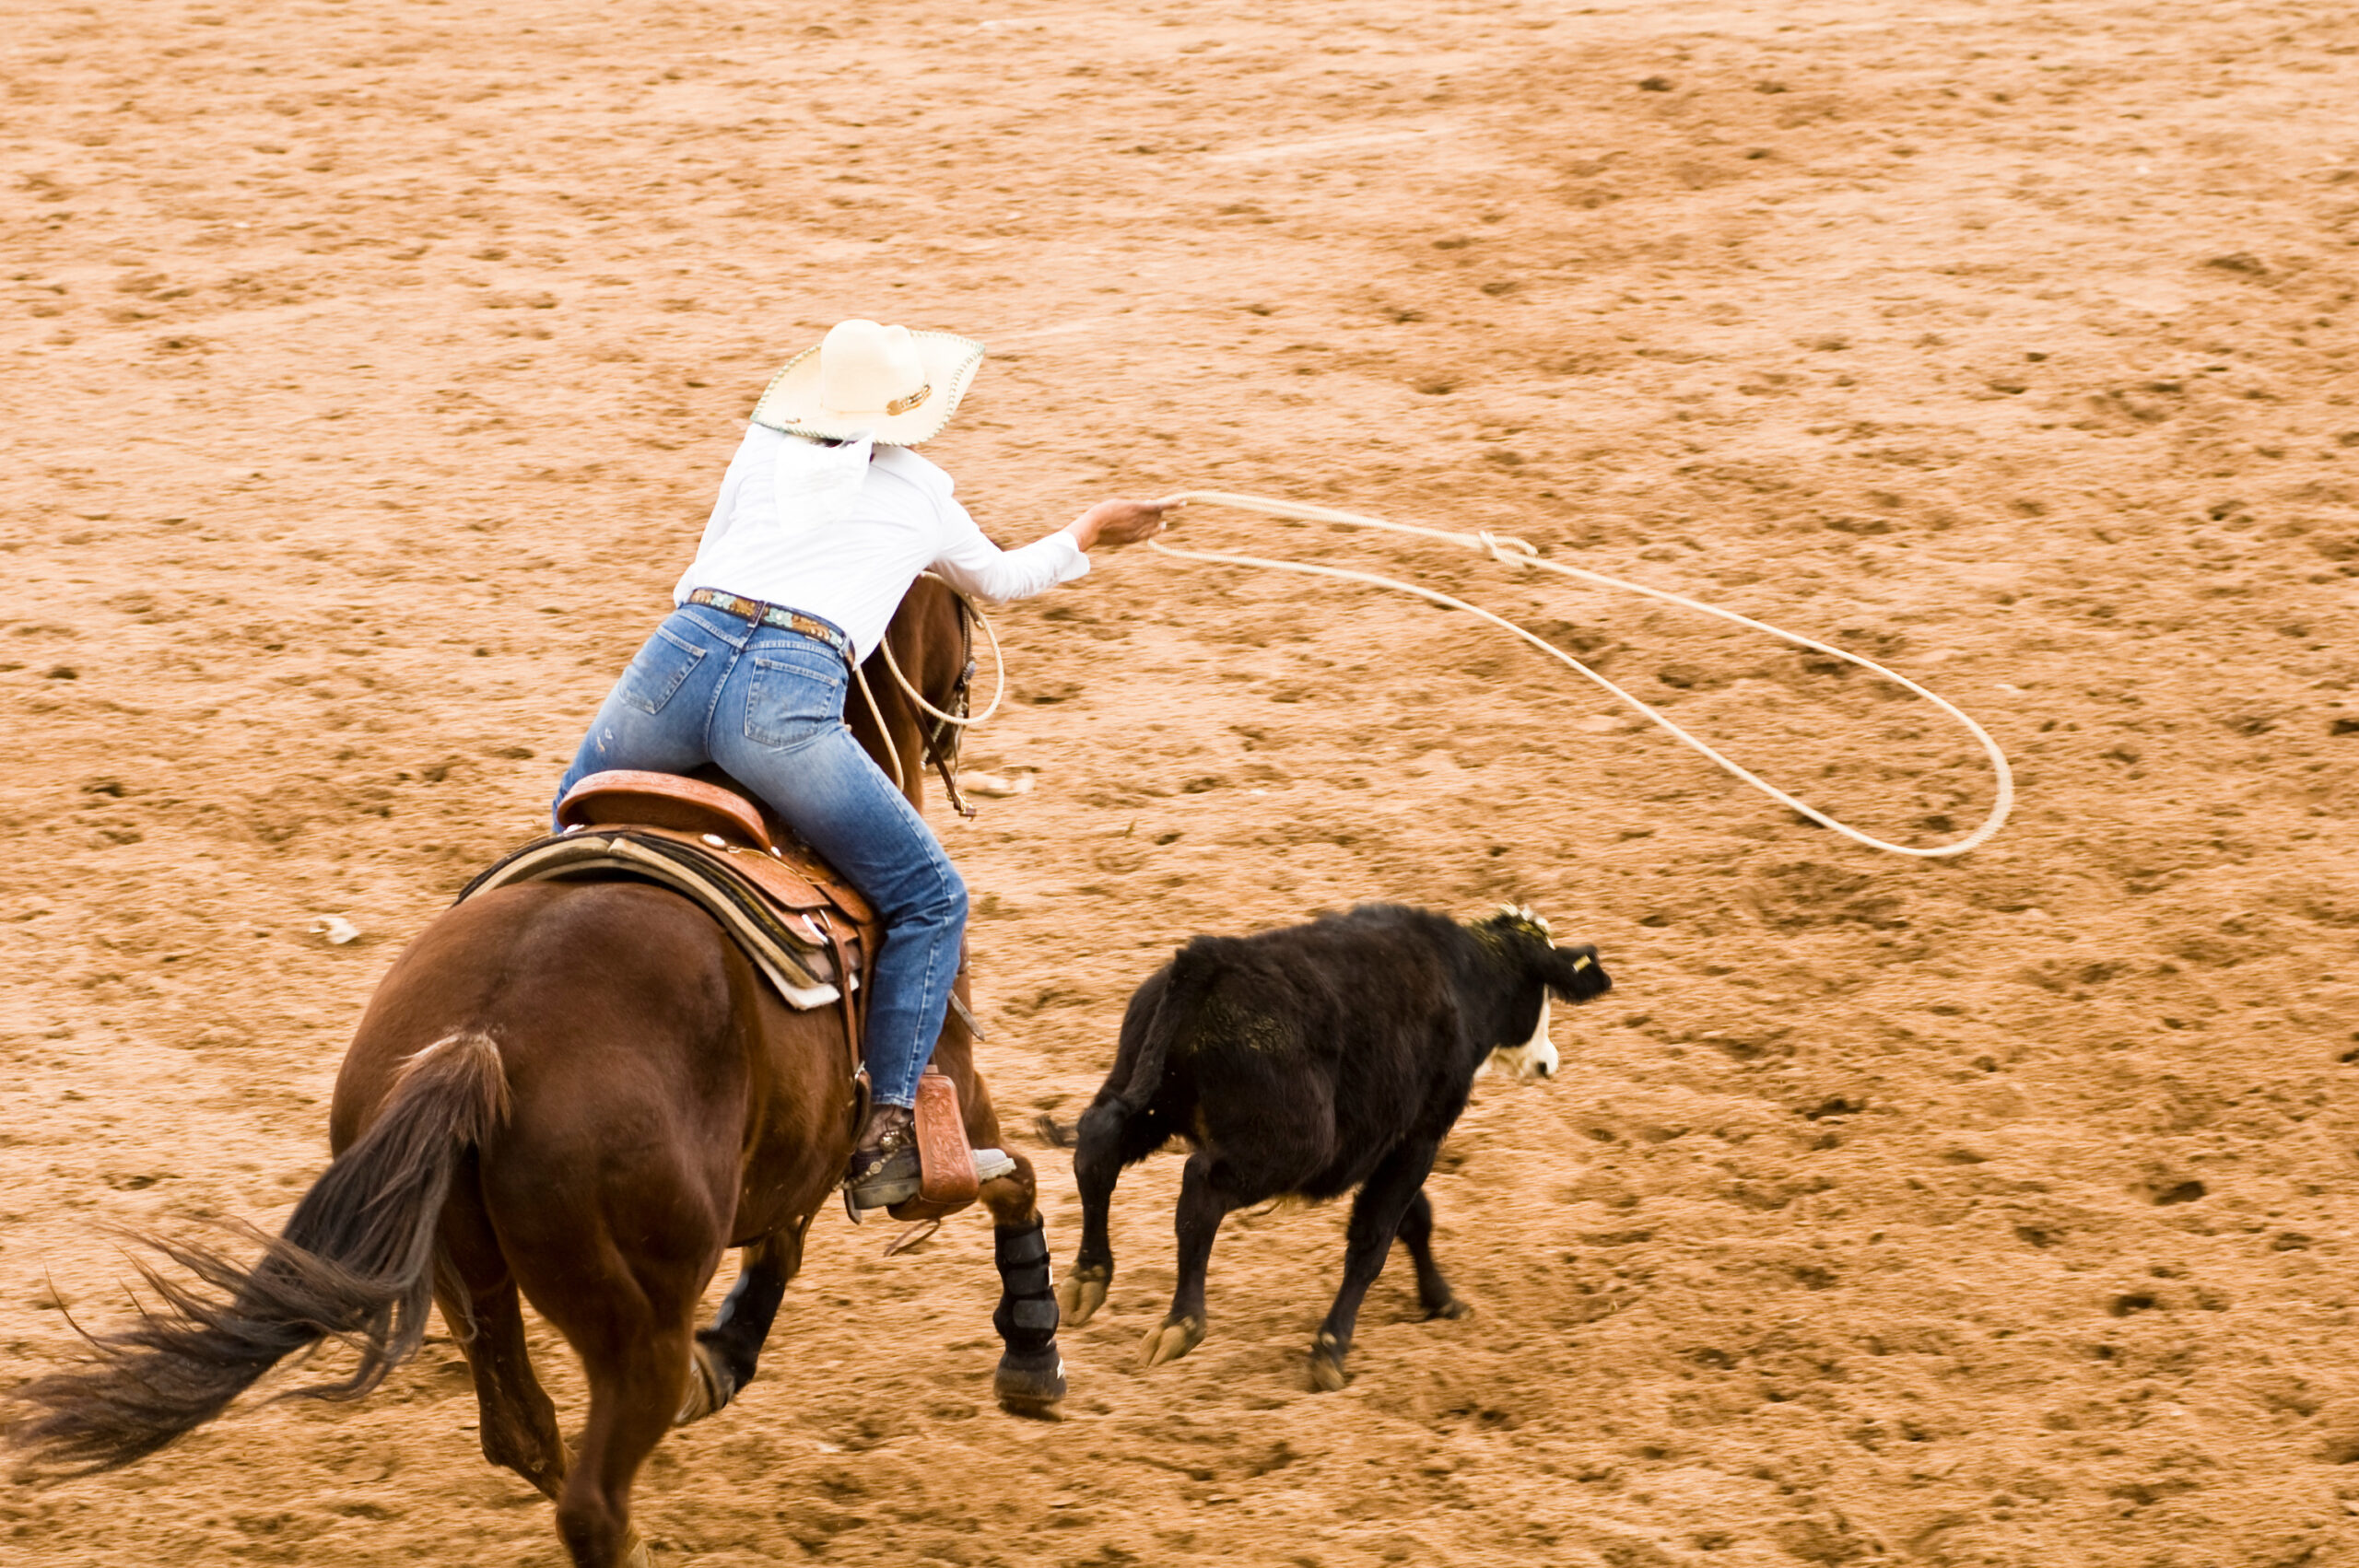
x: 893, y: 385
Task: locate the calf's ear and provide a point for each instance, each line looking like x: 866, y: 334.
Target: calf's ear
x: 1575, y: 974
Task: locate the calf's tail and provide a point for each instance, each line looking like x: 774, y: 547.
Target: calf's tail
x: 1193, y: 971
x: 355, y: 1262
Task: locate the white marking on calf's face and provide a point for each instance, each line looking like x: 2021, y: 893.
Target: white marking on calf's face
x: 1535, y: 1058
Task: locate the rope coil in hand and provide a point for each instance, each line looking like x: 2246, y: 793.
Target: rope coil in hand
x: 1519, y: 553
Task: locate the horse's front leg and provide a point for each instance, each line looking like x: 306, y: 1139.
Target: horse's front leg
x: 725, y: 1355
x: 1031, y: 1376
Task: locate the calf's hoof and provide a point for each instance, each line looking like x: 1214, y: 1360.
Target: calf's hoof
x: 1082, y: 1293
x: 1030, y: 1385
x: 1450, y: 1306
x: 1327, y: 1373
x: 1170, y: 1339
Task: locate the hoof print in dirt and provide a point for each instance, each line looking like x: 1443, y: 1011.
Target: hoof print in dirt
x: 1170, y: 1339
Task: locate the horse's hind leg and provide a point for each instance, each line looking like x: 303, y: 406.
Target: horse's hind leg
x: 519, y: 1424
x: 478, y: 1298
x: 631, y: 1371
x: 634, y: 1392
x: 620, y: 1278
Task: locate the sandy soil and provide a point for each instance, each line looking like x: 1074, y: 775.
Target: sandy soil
x: 371, y: 368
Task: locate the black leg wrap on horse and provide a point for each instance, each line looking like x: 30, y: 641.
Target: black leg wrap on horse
x: 1026, y: 1319
x: 743, y: 1321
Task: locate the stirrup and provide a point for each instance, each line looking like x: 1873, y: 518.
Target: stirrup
x: 894, y: 1176
x: 989, y: 1165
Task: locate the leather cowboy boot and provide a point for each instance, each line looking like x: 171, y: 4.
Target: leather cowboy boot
x: 884, y: 1169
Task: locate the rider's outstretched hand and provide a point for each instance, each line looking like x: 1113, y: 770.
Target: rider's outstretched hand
x: 1115, y: 523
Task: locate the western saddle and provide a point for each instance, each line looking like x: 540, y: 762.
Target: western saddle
x: 808, y: 931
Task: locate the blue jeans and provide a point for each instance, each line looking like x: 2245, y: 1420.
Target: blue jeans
x: 767, y: 706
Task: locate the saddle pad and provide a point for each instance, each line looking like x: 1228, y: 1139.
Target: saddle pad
x: 771, y: 908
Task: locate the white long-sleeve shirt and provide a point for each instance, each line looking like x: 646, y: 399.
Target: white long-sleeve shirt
x: 840, y: 532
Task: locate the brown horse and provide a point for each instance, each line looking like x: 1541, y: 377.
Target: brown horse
x: 577, y: 1095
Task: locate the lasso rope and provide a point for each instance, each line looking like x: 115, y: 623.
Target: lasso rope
x: 999, y: 668
x: 1518, y: 553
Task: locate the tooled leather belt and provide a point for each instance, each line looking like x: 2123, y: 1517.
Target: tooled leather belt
x: 777, y: 615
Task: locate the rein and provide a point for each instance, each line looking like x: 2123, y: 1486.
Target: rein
x: 1519, y: 553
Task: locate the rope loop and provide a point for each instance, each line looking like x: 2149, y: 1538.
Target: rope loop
x: 999, y: 666
x: 1512, y: 550
x: 885, y: 644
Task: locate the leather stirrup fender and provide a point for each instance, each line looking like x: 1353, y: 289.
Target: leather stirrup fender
x: 945, y: 1161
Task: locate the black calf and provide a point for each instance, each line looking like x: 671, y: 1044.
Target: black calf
x: 1309, y: 1061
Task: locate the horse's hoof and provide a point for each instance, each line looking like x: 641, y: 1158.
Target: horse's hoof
x: 635, y: 1552
x: 709, y: 1387
x: 1030, y: 1386
x: 1327, y: 1373
x: 1170, y: 1339
x: 1082, y: 1293
x: 1452, y: 1307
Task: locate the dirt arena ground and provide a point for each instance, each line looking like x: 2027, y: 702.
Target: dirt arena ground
x: 369, y: 370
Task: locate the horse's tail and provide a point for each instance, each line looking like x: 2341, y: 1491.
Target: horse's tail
x: 1193, y: 968
x: 355, y: 1262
